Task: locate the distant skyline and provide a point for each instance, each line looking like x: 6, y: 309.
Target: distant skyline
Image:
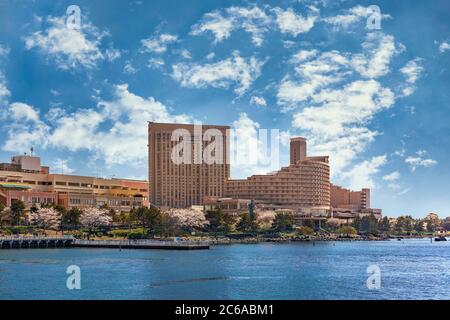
x: 375, y: 100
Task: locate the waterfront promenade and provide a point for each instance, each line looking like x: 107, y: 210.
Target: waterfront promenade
x: 35, y: 242
x: 142, y: 244
x: 63, y: 242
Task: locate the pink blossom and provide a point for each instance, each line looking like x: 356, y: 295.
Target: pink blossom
x: 185, y: 218
x: 94, y: 217
x: 46, y: 218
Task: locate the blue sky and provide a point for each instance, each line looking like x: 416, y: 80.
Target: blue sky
x: 374, y: 100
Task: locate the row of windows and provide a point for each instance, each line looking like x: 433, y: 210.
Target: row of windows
x: 74, y: 184
x: 113, y: 203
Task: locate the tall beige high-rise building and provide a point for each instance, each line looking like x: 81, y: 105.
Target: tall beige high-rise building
x: 180, y: 185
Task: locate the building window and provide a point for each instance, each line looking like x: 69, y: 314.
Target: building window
x: 74, y: 184
x: 74, y: 201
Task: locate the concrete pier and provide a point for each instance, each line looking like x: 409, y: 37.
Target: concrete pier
x: 141, y: 244
x: 68, y: 242
x: 34, y: 242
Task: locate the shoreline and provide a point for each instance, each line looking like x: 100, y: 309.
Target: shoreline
x: 182, y: 243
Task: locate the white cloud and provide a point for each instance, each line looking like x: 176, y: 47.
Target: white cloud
x: 412, y: 71
x: 114, y: 131
x: 404, y: 191
x: 378, y: 50
x: 70, y: 47
x: 23, y: 112
x: 214, y: 22
x: 4, y: 50
x: 129, y: 69
x: 290, y: 22
x: 420, y: 160
x: 122, y: 142
x: 210, y: 56
x: 112, y: 54
x: 336, y: 110
x: 61, y: 166
x: 24, y: 128
x: 77, y: 131
x: 4, y: 92
x: 394, y: 186
x: 248, y: 154
x: 351, y: 17
x: 21, y: 138
x: 444, y: 46
x: 392, y: 176
x: 334, y: 95
x: 260, y: 101
x: 158, y: 43
x: 155, y: 63
x: 303, y: 55
x: 336, y: 121
x: 251, y: 19
x: 256, y: 21
x: 185, y: 54
x: 361, y: 175
x: 234, y: 71
x: 312, y: 72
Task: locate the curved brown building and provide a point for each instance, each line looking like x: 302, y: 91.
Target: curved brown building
x: 305, y: 183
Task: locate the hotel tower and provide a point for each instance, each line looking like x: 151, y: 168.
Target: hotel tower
x: 305, y: 183
x: 186, y: 184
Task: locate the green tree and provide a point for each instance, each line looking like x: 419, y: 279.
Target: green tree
x: 141, y: 214
x: 348, y: 230
x: 17, y: 211
x: 132, y: 217
x: 121, y: 218
x: 283, y: 222
x: 356, y: 223
x: 153, y: 220
x: 431, y: 226
x: 246, y: 223
x: 213, y: 217
x: 2, y: 208
x: 34, y: 209
x: 369, y: 224
x: 58, y: 208
x: 409, y: 224
x: 446, y: 225
x: 304, y: 230
x: 399, y: 225
x: 220, y: 221
x: 310, y: 223
x: 384, y: 225
x: 71, y: 217
x: 227, y: 222
x: 419, y: 225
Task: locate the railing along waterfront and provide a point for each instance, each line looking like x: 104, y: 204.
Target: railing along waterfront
x: 142, y: 244
x: 34, y: 242
x: 57, y: 242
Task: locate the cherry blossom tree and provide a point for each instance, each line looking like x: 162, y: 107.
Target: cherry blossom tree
x: 184, y: 219
x: 92, y: 218
x: 265, y: 216
x: 45, y: 218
